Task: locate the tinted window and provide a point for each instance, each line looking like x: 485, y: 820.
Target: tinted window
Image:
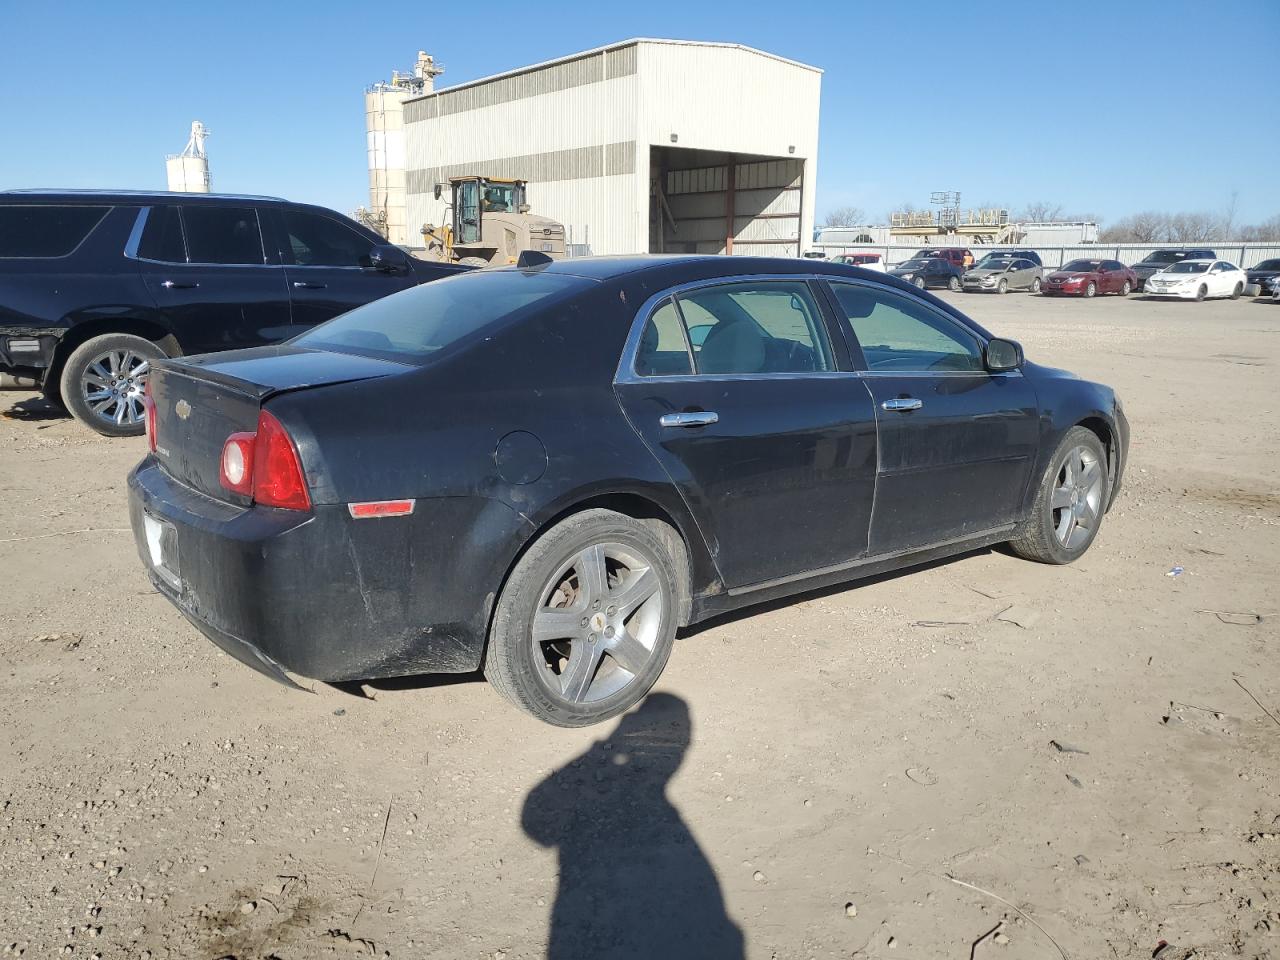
x: 222, y: 234
x: 662, y: 350
x: 897, y: 333
x: 45, y: 231
x: 162, y: 236
x: 412, y: 325
x: 762, y: 327
x: 1113, y: 264
x: 1268, y: 265
x: 319, y: 241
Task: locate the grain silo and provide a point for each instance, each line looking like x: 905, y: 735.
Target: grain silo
x: 188, y: 171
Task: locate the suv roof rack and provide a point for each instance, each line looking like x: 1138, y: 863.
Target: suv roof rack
x: 157, y: 194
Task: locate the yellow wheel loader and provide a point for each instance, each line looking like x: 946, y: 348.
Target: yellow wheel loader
x: 490, y: 225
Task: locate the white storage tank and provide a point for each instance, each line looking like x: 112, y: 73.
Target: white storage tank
x: 188, y: 171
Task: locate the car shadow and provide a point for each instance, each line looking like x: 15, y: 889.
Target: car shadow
x: 633, y: 882
x: 34, y: 409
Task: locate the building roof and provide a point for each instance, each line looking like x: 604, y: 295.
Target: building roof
x: 634, y: 41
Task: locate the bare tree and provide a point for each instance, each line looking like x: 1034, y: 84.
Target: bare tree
x: 1194, y: 227
x: 1040, y: 212
x: 1266, y: 230
x: 844, y: 217
x: 1228, y: 219
x: 1149, y: 226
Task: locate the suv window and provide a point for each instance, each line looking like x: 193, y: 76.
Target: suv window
x: 162, y: 236
x: 770, y: 326
x: 228, y: 235
x: 663, y: 351
x: 897, y: 333
x: 39, y: 230
x: 318, y: 241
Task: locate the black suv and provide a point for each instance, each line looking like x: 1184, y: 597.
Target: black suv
x: 96, y: 284
x: 1157, y: 261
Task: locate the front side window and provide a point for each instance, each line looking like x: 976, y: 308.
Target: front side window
x: 899, y: 334
x: 45, y: 230
x: 318, y: 241
x: 755, y: 327
x: 663, y: 351
x: 225, y: 235
x: 162, y: 236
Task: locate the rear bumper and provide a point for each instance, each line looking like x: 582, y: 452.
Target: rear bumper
x: 320, y: 594
x: 26, y: 353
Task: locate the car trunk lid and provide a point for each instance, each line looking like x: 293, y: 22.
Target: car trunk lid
x: 200, y: 401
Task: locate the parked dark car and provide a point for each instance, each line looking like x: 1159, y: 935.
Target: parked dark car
x: 1087, y: 278
x: 961, y: 257
x: 930, y: 272
x: 1262, y: 275
x: 1013, y: 254
x: 95, y: 285
x: 1160, y: 259
x: 534, y: 471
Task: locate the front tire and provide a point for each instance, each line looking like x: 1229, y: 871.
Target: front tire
x: 586, y: 621
x: 103, y: 382
x: 1202, y: 292
x: 953, y: 284
x: 1070, y: 503
x: 919, y: 282
x: 1002, y: 286
x: 1091, y: 290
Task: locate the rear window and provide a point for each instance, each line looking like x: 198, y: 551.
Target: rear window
x: 40, y: 230
x: 412, y: 325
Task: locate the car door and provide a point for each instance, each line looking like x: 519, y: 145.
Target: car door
x: 209, y: 273
x: 1023, y: 272
x: 328, y: 268
x: 956, y: 442
x: 735, y: 388
x: 936, y: 272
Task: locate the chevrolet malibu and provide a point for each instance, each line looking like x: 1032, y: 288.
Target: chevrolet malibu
x: 537, y: 472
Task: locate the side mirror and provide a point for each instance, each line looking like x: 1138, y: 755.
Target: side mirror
x: 387, y: 258
x: 440, y: 189
x: 1003, y: 355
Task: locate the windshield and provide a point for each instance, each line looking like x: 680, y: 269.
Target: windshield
x: 1166, y: 256
x: 1082, y: 266
x: 1188, y: 266
x: 912, y: 265
x: 995, y: 260
x: 1268, y: 265
x: 500, y: 198
x: 412, y: 325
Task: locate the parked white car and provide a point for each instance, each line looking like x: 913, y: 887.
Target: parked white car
x: 867, y: 261
x: 1197, y: 280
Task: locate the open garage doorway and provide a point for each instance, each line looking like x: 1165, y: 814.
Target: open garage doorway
x: 703, y: 201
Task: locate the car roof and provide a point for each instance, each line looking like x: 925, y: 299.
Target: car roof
x: 701, y: 265
x: 49, y: 193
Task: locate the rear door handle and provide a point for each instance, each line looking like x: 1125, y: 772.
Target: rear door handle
x: 700, y: 418
x: 903, y: 403
x: 179, y: 285
x: 304, y: 285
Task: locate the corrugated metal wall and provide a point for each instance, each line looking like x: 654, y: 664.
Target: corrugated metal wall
x: 1244, y: 255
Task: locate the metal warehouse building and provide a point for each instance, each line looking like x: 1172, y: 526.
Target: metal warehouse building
x: 641, y: 146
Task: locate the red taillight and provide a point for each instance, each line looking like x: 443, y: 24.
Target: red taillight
x: 265, y: 466
x: 149, y: 413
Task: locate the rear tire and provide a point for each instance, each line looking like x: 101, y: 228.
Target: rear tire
x: 1035, y: 285
x: 586, y: 621
x: 1077, y: 480
x: 103, y: 382
x: 1235, y: 294
x: 1124, y: 291
x: 953, y: 284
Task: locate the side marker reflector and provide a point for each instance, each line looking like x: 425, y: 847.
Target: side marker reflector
x: 380, y: 508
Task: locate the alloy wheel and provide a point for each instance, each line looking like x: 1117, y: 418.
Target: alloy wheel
x: 597, y: 622
x: 1076, y: 502
x: 1035, y: 285
x: 113, y: 384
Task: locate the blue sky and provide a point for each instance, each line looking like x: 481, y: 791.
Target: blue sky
x: 1104, y: 108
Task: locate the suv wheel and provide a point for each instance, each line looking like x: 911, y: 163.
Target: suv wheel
x: 953, y: 283
x: 586, y: 621
x: 103, y: 383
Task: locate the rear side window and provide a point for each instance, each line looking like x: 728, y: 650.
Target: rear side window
x: 663, y: 351
x: 317, y: 241
x: 412, y: 325
x: 228, y: 235
x: 162, y: 236
x: 755, y: 327
x: 40, y: 230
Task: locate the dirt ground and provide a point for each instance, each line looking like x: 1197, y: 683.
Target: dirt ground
x: 863, y: 772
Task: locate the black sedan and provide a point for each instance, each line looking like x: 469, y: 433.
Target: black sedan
x: 1262, y: 275
x: 540, y: 473
x: 925, y: 272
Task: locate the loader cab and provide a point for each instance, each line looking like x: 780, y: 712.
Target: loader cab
x: 473, y: 197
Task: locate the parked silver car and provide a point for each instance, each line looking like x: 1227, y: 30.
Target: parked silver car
x: 1002, y: 274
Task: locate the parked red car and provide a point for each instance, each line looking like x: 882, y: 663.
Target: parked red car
x: 961, y: 257
x: 1087, y: 278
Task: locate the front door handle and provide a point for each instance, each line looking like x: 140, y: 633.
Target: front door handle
x: 179, y: 285
x: 699, y: 418
x: 304, y: 285
x: 903, y: 403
